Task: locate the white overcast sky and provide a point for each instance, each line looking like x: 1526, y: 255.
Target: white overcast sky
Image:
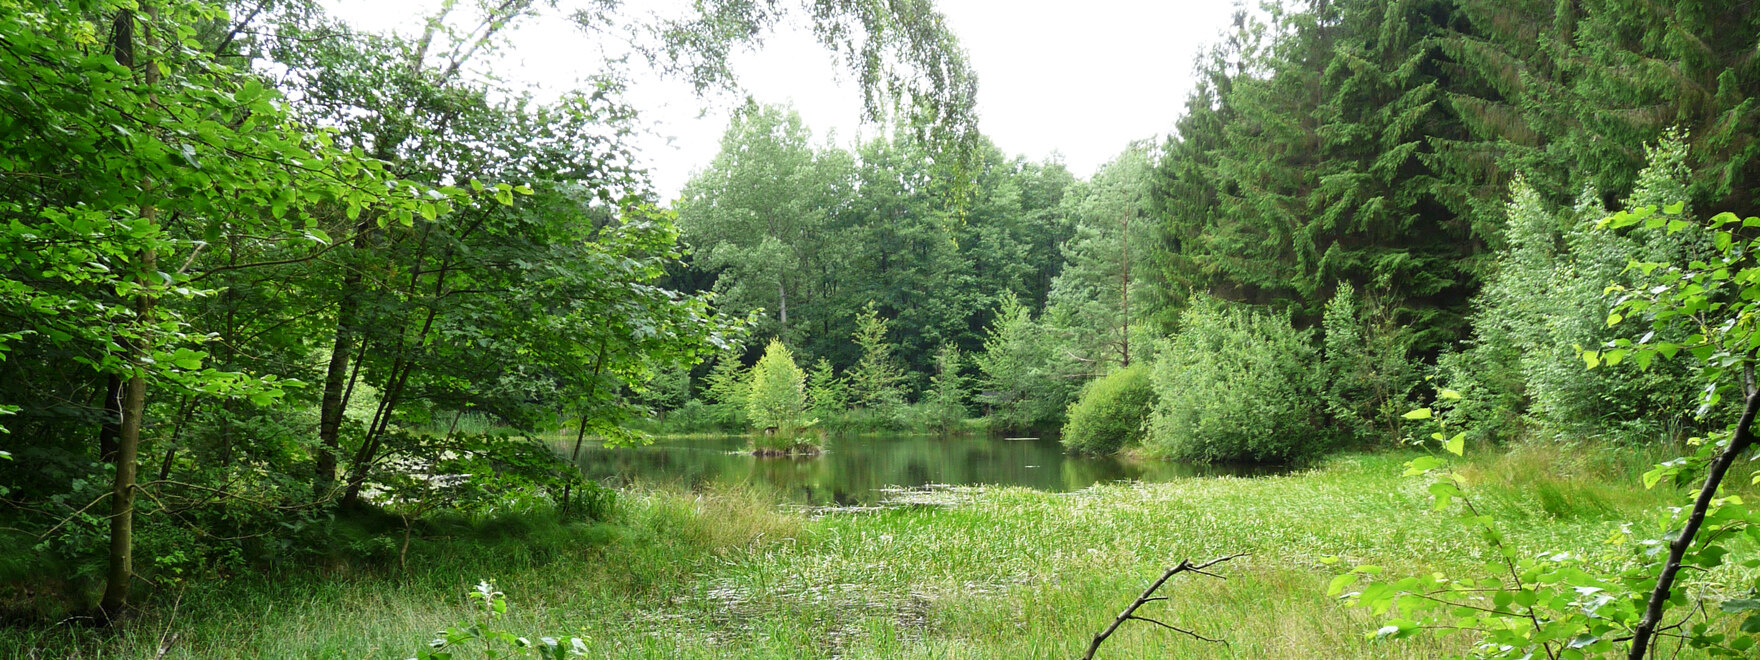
x: 1080, y: 78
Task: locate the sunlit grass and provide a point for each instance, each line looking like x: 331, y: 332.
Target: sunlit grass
x: 972, y: 573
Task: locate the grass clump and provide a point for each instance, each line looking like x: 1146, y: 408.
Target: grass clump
x: 1111, y: 413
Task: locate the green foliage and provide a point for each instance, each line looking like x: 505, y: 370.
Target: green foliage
x: 1112, y: 413
x: 909, y: 64
x: 758, y: 216
x: 481, y: 635
x: 1545, y: 302
x: 827, y: 392
x: 1103, y: 290
x: 222, y: 241
x: 727, y: 387
x: 876, y: 381
x: 1022, y: 383
x: 946, y: 397
x: 1370, y: 375
x: 776, y: 397
x: 1562, y: 604
x: 1305, y: 159
x: 1237, y: 384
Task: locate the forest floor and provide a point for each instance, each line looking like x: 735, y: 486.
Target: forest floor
x: 964, y: 573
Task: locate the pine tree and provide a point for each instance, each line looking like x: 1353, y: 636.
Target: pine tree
x: 726, y: 387
x: 946, y: 397
x: 827, y: 393
x: 875, y: 382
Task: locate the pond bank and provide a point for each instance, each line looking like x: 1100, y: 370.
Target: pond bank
x: 978, y: 572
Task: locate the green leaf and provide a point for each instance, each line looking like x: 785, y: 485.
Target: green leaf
x: 1456, y: 445
x: 1652, y: 477
x: 1421, y: 413
x: 1740, y: 605
x: 1338, y: 584
x: 1423, y: 464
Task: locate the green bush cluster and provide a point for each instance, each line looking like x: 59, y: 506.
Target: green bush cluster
x: 1112, y: 412
x: 1237, y: 384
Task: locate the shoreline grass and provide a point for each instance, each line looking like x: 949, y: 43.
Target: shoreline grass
x: 998, y: 573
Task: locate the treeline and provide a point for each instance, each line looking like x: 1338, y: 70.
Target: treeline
x: 1007, y: 277
x: 1416, y: 182
x: 1362, y: 205
x: 266, y: 280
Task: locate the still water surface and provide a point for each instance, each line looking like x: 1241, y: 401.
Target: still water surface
x: 856, y: 470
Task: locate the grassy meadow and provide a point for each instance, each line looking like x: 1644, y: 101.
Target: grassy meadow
x: 966, y: 573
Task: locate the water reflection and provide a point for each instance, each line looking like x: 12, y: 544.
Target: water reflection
x: 853, y: 470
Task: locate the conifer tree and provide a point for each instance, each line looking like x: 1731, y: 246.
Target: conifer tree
x: 776, y: 397
x: 875, y: 382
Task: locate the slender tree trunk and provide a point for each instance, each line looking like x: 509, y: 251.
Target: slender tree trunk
x: 1125, y: 280
x: 1740, y: 441
x: 112, y: 426
x: 186, y: 409
x: 782, y: 298
x: 120, y: 576
x: 332, y: 405
x: 393, y: 392
x: 580, y: 434
x: 121, y: 573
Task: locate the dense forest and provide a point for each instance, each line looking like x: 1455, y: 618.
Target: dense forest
x: 292, y: 309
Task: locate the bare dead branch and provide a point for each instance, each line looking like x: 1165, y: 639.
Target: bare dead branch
x: 1179, y: 630
x: 1148, y: 596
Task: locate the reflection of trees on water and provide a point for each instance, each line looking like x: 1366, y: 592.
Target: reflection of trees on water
x: 852, y: 471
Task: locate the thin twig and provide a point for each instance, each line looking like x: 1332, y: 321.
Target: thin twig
x: 164, y: 643
x: 1148, y: 596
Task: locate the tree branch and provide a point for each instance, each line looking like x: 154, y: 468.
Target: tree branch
x: 1738, y: 443
x: 1148, y: 596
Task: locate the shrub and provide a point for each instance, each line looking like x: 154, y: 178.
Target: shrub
x: 1111, y: 413
x: 1236, y: 385
x: 945, y: 400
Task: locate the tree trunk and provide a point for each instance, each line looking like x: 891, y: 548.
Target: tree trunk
x: 1125, y: 283
x: 1740, y: 441
x: 120, y: 576
x: 332, y: 405
x: 112, y: 427
x: 574, y: 459
x: 121, y: 573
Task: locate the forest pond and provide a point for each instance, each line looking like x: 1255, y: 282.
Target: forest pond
x: 868, y: 470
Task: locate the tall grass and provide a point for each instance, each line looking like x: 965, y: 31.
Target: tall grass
x: 987, y: 573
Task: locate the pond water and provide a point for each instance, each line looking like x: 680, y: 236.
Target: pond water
x: 861, y: 470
